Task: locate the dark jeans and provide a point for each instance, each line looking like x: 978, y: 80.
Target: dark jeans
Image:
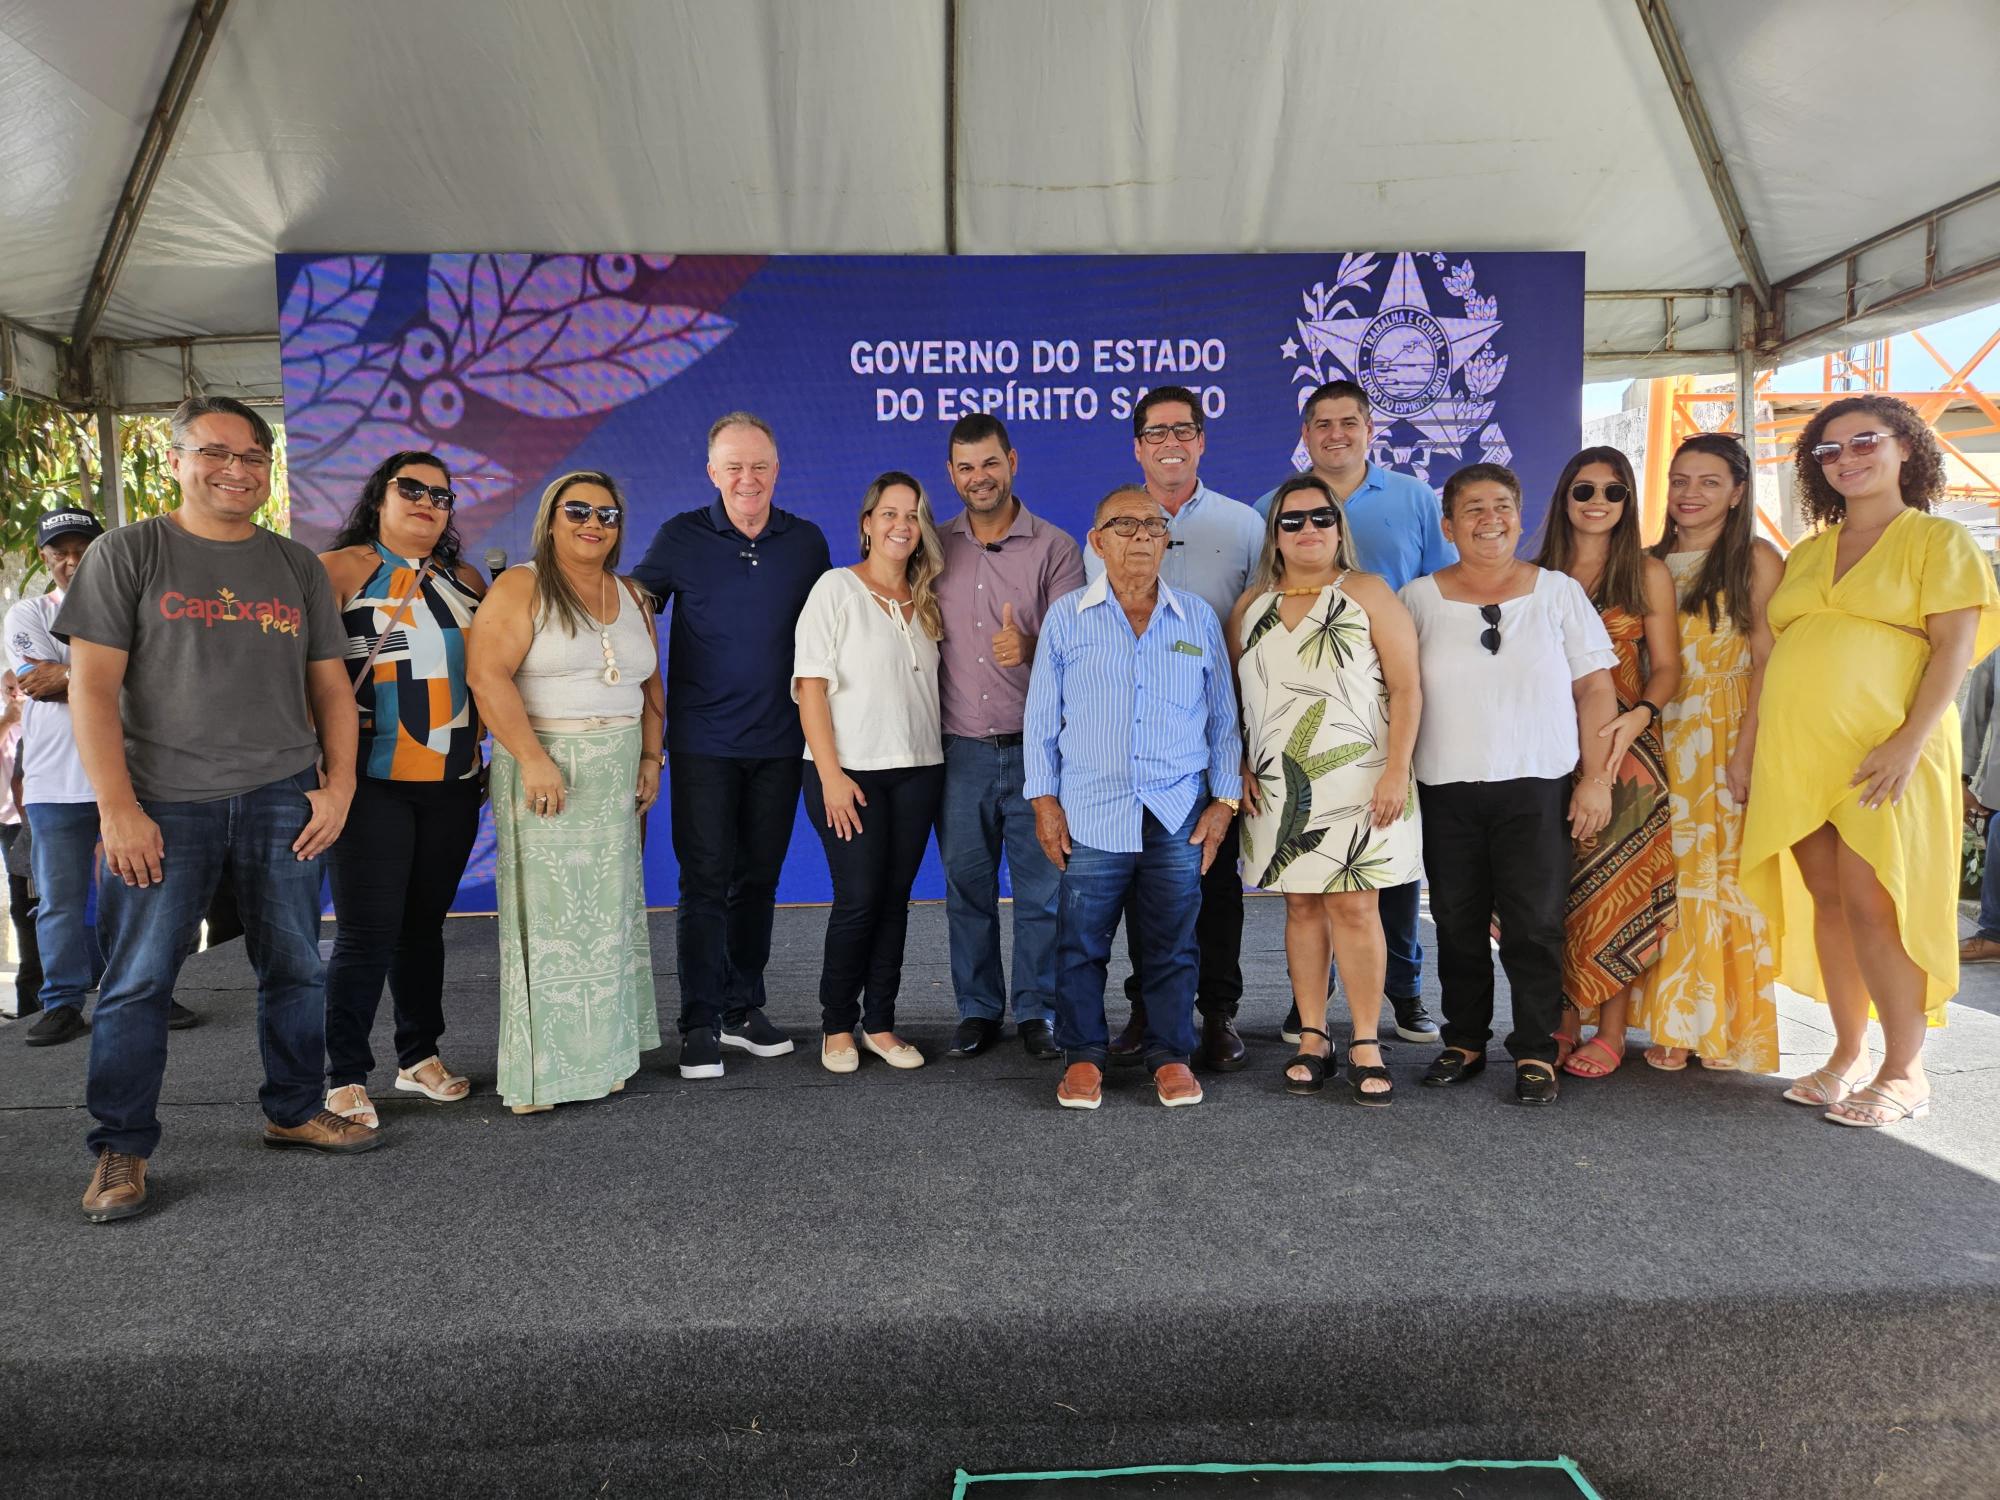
x: 1163, y: 885
x: 64, y: 851
x: 21, y: 912
x: 1499, y: 848
x: 983, y: 813
x: 732, y: 825
x: 395, y: 871
x: 149, y: 932
x: 862, y: 970
x: 1218, y: 934
x: 1989, y: 885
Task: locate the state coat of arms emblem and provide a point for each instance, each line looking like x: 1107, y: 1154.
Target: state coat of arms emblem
x: 1431, y: 373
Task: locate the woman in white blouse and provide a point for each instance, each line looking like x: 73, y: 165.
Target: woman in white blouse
x: 1516, y: 676
x: 866, y: 680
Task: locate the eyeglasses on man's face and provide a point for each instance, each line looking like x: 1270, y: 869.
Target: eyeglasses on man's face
x: 414, y: 490
x: 578, y: 512
x: 1131, y: 526
x: 1180, y: 432
x: 255, y: 461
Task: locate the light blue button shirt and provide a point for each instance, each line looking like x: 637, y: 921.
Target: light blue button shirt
x: 1398, y: 525
x: 1119, y: 726
x: 1213, y: 546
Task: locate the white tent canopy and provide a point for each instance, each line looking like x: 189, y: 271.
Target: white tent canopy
x: 990, y: 127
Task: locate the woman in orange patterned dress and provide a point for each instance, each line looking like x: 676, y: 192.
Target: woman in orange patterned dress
x: 1621, y: 893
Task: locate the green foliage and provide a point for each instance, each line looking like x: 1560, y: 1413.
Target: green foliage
x: 49, y: 457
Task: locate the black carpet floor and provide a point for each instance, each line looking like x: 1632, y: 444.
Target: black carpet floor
x: 785, y: 1283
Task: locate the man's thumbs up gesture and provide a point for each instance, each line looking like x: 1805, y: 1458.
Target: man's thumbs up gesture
x: 1010, y: 647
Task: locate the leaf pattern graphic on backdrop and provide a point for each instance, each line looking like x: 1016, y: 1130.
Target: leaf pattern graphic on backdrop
x: 324, y: 488
x: 550, y: 336
x: 330, y: 302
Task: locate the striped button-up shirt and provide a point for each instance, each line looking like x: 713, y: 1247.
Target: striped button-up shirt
x: 1118, y: 726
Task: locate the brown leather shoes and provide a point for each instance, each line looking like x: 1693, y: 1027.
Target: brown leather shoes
x: 1129, y: 1046
x: 325, y: 1131
x: 117, y: 1188
x: 1176, y: 1085
x: 1082, y: 1086
x: 1978, y: 950
x: 1221, y: 1048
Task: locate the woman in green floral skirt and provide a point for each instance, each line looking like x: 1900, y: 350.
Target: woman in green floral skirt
x: 565, y: 670
x: 1326, y: 661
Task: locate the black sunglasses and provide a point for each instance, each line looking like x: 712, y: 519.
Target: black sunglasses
x: 1322, y: 519
x: 1615, y: 492
x: 579, y: 512
x: 414, y: 490
x: 1490, y: 636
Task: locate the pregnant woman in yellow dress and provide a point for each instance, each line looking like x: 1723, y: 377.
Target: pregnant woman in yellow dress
x: 1851, y: 839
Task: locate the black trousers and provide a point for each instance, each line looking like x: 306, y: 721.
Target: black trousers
x: 732, y: 825
x: 862, y: 970
x: 1218, y: 934
x: 395, y: 870
x: 1499, y: 848
x: 21, y: 912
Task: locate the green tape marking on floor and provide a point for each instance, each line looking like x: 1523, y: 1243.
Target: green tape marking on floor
x: 1564, y: 1465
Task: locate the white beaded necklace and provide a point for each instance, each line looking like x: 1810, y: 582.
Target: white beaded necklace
x: 610, y: 675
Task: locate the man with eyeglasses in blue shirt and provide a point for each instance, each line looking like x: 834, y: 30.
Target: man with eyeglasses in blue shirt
x: 1212, y: 548
x: 1398, y: 533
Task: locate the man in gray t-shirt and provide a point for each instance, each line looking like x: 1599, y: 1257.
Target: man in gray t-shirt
x: 215, y: 720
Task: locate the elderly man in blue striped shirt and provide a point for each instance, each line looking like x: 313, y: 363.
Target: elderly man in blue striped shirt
x: 1133, y: 763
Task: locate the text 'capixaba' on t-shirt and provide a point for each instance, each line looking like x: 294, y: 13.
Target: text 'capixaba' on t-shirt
x: 217, y: 636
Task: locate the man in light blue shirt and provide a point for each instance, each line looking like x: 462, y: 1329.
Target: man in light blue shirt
x: 1213, y: 546
x: 1133, y: 763
x: 1398, y: 531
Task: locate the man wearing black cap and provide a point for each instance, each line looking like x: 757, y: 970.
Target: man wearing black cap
x: 57, y: 799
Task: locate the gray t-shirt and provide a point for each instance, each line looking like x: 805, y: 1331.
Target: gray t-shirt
x: 218, y: 635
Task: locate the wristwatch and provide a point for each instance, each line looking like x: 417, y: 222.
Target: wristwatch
x: 1234, y: 804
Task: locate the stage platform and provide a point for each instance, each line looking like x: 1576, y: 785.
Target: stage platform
x: 788, y: 1284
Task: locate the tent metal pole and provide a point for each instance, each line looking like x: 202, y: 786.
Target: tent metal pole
x: 1666, y: 39
x: 1746, y: 378
x: 151, y: 159
x: 951, y: 127
x: 110, y: 468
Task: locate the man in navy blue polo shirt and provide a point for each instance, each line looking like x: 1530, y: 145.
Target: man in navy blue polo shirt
x: 1398, y: 532
x: 738, y: 571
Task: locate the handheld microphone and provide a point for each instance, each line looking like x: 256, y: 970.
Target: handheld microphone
x: 496, y: 561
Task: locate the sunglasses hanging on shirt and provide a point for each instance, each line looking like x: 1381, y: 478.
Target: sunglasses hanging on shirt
x: 1490, y: 636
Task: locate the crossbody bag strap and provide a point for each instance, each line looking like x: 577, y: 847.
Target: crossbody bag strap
x: 395, y: 619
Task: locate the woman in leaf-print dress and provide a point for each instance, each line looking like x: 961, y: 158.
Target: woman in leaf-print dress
x: 1326, y: 660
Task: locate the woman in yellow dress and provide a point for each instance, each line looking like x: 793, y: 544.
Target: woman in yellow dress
x: 1852, y: 833
x: 1713, y: 993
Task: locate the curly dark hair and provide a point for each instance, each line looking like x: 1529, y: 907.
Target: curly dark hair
x: 1922, y: 479
x: 364, y: 522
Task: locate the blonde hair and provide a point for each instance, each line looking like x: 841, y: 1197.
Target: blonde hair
x: 926, y: 562
x: 1271, y: 563
x: 555, y: 597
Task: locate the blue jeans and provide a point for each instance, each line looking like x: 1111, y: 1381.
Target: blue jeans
x: 982, y: 814
x: 64, y: 851
x: 1989, y: 887
x: 1164, y: 882
x: 149, y: 932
